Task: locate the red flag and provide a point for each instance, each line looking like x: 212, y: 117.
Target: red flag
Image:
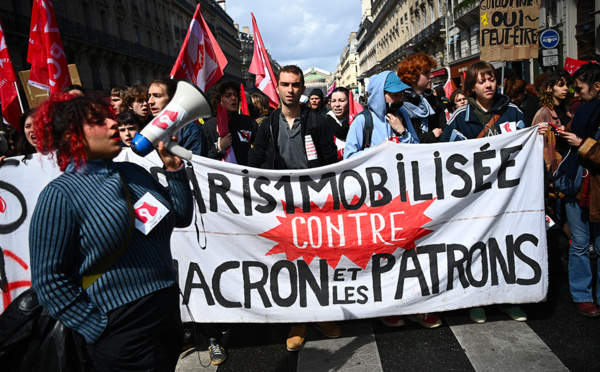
x: 200, y: 59
x: 223, y: 129
x: 49, y: 69
x: 243, y: 101
x: 261, y: 67
x: 332, y: 88
x: 9, y: 96
x: 355, y: 108
x: 572, y: 65
x: 449, y: 88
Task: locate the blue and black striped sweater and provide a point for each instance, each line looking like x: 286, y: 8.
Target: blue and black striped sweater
x: 80, y: 218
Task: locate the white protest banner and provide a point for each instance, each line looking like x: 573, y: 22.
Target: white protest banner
x: 399, y: 229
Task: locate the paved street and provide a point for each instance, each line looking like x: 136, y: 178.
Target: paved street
x: 555, y: 338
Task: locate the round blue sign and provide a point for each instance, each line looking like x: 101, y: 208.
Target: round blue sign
x: 549, y: 39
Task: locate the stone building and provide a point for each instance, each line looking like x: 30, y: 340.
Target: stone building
x: 121, y: 42
x: 316, y: 78
x: 391, y: 30
x: 348, y: 67
x: 576, y: 22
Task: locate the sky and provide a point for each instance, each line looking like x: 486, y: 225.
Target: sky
x: 301, y: 32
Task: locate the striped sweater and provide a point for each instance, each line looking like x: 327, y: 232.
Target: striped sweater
x: 80, y: 218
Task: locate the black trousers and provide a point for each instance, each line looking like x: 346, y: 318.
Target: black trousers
x: 145, y: 335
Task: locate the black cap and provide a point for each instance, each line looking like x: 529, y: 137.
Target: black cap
x: 316, y: 92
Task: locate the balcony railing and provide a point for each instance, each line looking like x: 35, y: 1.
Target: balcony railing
x: 431, y: 30
x: 465, y: 7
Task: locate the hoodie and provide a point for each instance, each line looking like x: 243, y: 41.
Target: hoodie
x: 382, y: 131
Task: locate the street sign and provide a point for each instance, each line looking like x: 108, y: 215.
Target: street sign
x: 550, y: 61
x: 549, y: 39
x: 549, y: 52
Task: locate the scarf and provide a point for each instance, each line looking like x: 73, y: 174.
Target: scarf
x: 339, y: 128
x: 420, y: 113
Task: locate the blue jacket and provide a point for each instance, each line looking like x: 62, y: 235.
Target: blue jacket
x: 464, y: 124
x: 382, y: 131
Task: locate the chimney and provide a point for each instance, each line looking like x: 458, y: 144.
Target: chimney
x: 222, y: 4
x: 246, y: 30
x: 237, y: 26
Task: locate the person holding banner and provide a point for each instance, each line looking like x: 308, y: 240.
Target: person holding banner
x: 388, y: 121
x: 485, y: 105
x: 583, y: 209
x: 95, y: 266
x: 295, y: 137
x: 241, y: 129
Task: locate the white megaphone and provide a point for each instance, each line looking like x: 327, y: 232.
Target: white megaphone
x: 188, y: 104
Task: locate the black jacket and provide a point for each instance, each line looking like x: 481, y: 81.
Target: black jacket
x: 265, y: 153
x: 243, y: 130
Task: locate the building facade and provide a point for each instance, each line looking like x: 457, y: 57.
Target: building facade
x: 348, y: 67
x: 316, y: 78
x: 391, y: 30
x: 121, y: 42
x: 449, y: 31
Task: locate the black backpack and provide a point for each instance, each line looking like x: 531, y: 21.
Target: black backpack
x: 367, y: 129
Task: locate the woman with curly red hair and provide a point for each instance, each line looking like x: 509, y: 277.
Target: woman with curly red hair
x: 95, y: 272
x: 426, y: 111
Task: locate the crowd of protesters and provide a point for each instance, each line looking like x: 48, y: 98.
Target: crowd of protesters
x: 87, y: 133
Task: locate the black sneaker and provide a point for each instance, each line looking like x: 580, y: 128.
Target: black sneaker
x: 217, y: 353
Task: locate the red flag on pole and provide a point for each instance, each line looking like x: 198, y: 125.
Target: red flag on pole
x: 572, y: 65
x: 200, y: 59
x: 9, y: 96
x: 449, y: 88
x: 355, y: 108
x: 243, y: 102
x: 261, y: 67
x: 49, y: 69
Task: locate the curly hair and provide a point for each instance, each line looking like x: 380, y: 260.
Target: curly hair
x: 554, y: 78
x: 219, y: 90
x: 135, y: 92
x: 412, y: 66
x: 58, y: 125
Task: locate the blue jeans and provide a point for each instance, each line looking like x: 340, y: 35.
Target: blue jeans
x: 580, y: 272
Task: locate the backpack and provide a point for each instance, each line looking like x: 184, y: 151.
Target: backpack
x: 367, y: 129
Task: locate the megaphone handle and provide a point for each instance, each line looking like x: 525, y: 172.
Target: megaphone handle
x: 175, y: 149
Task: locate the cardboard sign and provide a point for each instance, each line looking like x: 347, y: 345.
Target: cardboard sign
x: 509, y: 29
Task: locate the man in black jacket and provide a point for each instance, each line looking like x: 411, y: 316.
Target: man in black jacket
x: 292, y: 137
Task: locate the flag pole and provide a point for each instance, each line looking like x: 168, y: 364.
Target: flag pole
x: 19, y: 96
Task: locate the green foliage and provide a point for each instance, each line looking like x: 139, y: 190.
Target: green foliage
x: 464, y: 4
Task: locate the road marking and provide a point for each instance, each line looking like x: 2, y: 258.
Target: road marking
x: 356, y: 350
x: 505, y: 346
x: 192, y: 360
